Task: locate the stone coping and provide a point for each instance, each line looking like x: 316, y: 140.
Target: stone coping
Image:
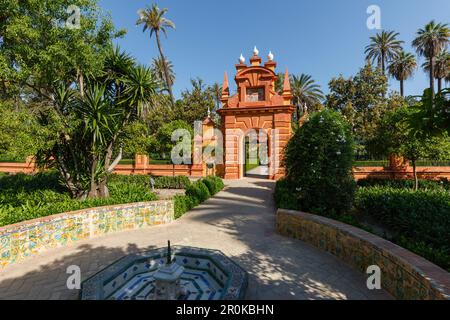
x: 33, y: 222
x: 429, y: 274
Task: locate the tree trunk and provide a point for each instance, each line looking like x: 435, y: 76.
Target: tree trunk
x: 166, y: 73
x: 382, y: 62
x: 439, y: 84
x: 432, y: 77
x: 416, y: 180
x: 401, y: 88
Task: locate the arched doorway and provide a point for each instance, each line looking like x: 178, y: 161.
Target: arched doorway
x: 255, y: 106
x: 255, y: 151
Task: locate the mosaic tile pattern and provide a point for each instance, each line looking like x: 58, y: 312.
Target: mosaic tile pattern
x: 22, y: 240
x: 208, y: 275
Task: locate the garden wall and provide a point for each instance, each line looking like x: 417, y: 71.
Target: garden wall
x: 387, y: 173
x: 125, y: 169
x: 404, y: 274
x: 198, y: 170
x: 22, y: 240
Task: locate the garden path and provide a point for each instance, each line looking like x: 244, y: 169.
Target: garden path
x: 239, y: 221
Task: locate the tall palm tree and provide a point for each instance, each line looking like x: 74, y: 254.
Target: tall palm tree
x: 305, y: 92
x: 383, y: 47
x: 441, y: 67
x: 153, y: 19
x: 430, y: 41
x: 402, y: 67
x: 160, y: 66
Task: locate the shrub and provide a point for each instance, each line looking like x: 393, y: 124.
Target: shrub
x: 284, y: 197
x: 419, y: 220
x: 214, y: 184
x: 183, y: 204
x: 196, y: 193
x: 318, y: 161
x: 198, y: 190
x: 405, y: 184
x: 177, y: 182
x: 25, y: 197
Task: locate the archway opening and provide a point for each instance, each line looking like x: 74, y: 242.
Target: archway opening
x: 255, y: 151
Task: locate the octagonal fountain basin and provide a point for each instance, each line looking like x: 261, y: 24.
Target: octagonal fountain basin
x: 203, y: 275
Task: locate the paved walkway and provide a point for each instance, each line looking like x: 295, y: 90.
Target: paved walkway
x: 240, y: 221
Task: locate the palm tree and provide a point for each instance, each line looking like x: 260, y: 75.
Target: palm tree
x: 402, y: 67
x: 430, y: 41
x: 160, y: 66
x: 305, y: 92
x: 383, y: 47
x: 153, y: 19
x: 441, y: 67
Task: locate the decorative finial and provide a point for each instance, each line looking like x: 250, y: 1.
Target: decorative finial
x: 255, y: 51
x: 169, y: 253
x: 242, y: 59
x: 209, y: 113
x: 270, y: 56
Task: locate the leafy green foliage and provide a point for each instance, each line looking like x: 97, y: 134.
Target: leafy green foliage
x: 214, y: 184
x: 177, y: 182
x: 422, y: 217
x: 196, y: 193
x: 284, y: 196
x: 442, y: 184
x: 164, y: 135
x: 199, y: 191
x: 25, y: 197
x: 362, y: 101
x: 319, y: 161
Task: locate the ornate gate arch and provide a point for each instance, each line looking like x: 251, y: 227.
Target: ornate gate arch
x: 256, y: 105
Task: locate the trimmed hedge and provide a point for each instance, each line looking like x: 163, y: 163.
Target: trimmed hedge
x: 405, y: 184
x: 214, y: 184
x: 24, y: 197
x: 177, y: 182
x: 197, y: 193
x: 420, y: 220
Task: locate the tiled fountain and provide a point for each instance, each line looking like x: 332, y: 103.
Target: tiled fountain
x: 177, y: 273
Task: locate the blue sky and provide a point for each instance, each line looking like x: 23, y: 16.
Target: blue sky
x: 323, y: 38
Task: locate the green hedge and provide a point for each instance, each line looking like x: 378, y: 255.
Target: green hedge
x: 214, y: 184
x: 197, y: 193
x: 25, y: 197
x: 177, y: 182
x: 405, y: 184
x: 420, y: 220
x: 284, y: 196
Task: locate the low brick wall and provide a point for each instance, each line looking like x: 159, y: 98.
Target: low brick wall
x: 404, y: 274
x: 431, y: 173
x: 22, y: 240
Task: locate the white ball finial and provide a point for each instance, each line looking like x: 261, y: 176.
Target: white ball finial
x: 270, y: 56
x: 255, y: 51
x: 242, y: 59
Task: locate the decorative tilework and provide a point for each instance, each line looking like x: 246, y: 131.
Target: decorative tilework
x: 25, y: 239
x: 228, y: 281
